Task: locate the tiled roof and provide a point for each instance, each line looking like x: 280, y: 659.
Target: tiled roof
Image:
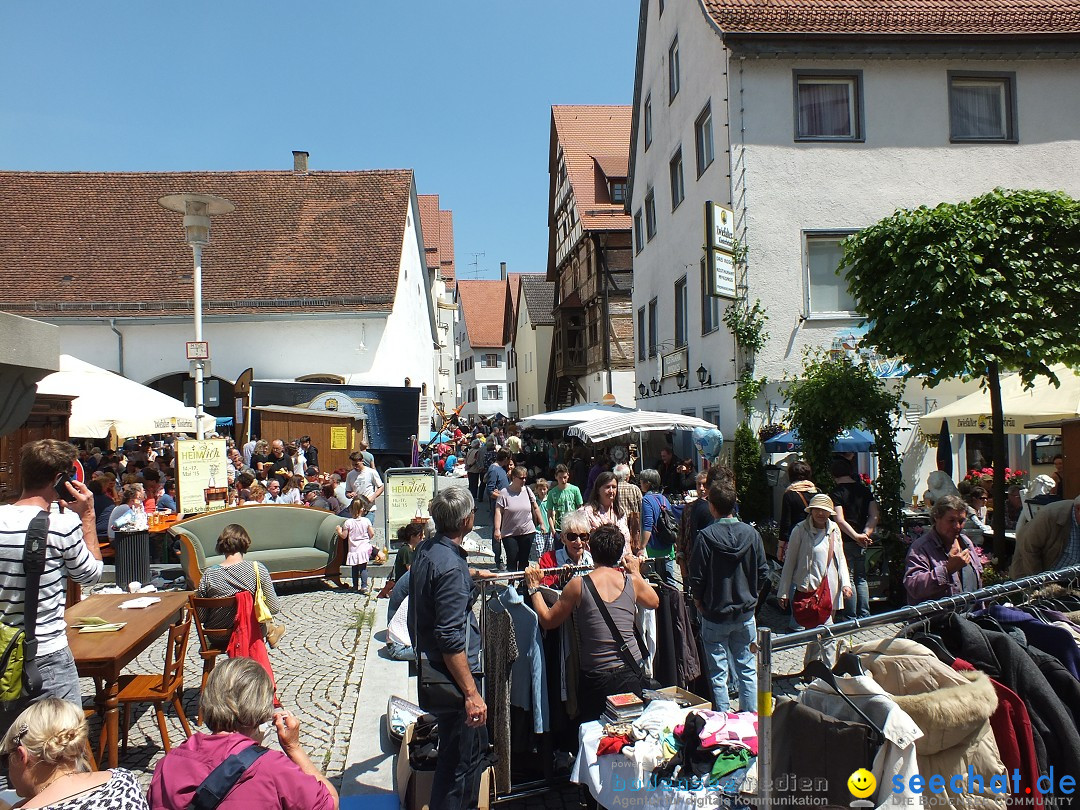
x: 589, y: 134
x: 928, y: 17
x: 614, y: 165
x: 484, y: 306
x: 539, y: 297
x: 446, y: 248
x: 431, y: 225
x: 514, y: 290
x: 82, y: 244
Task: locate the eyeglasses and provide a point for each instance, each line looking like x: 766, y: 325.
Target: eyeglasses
x: 16, y: 741
x: 575, y: 536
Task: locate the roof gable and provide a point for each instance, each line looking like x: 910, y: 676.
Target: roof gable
x: 539, y: 297
x: 431, y: 225
x: 446, y: 246
x: 99, y: 244
x: 594, y: 138
x: 484, y: 309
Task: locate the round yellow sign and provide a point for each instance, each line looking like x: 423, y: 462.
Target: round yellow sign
x: 862, y: 784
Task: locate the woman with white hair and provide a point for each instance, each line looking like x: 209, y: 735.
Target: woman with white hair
x: 44, y: 754
x: 573, y: 552
x: 238, y: 707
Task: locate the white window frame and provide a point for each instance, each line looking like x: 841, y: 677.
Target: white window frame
x: 709, y: 303
x: 1007, y: 83
x: 682, y: 316
x: 674, y: 79
x: 491, y: 393
x: 807, y: 237
x: 647, y: 121
x: 704, y: 150
x: 854, y: 79
x: 675, y: 177
x: 484, y: 360
x: 650, y: 215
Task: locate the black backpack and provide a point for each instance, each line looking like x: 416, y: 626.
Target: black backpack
x: 665, y: 531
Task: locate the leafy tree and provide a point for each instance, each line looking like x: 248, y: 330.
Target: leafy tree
x: 972, y: 290
x: 751, y: 485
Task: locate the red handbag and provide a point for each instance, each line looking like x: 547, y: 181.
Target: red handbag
x: 813, y: 608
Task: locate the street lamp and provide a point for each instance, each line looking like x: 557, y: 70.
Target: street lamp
x: 655, y: 385
x: 680, y: 380
x: 197, y: 210
x: 703, y: 375
x: 642, y: 390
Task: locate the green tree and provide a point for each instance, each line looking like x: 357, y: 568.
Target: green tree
x: 972, y: 290
x: 751, y: 485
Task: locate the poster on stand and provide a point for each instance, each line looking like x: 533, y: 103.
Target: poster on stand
x: 409, y: 490
x: 202, y: 478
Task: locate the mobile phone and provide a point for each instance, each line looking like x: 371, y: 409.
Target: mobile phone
x: 61, y: 486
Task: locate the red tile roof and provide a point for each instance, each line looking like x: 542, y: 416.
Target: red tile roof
x: 446, y: 248
x: 593, y: 136
x: 431, y: 225
x: 79, y: 244
x: 928, y: 17
x: 515, y: 296
x: 484, y: 306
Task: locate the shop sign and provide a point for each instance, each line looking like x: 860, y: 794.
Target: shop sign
x: 719, y: 228
x: 409, y: 490
x: 721, y: 275
x: 202, y: 478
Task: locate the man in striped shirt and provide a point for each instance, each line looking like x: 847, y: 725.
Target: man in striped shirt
x: 71, y: 551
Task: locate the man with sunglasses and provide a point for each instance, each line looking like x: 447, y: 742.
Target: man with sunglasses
x: 71, y: 551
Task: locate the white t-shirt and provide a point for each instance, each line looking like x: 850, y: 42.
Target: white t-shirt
x: 365, y: 482
x: 66, y: 555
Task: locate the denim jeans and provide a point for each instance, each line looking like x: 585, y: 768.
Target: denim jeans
x: 462, y: 759
x: 59, y: 679
x: 858, y: 606
x: 721, y: 639
x: 665, y: 569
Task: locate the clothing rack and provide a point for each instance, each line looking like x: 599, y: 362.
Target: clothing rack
x: 923, y: 610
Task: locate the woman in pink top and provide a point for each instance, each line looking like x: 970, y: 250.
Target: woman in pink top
x: 603, y: 507
x: 237, y: 705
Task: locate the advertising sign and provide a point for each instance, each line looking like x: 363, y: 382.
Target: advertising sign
x: 719, y: 228
x: 721, y: 274
x: 409, y: 490
x: 202, y: 478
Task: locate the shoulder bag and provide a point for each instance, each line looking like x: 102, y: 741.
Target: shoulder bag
x: 813, y: 608
x: 436, y: 690
x: 262, y: 610
x: 18, y: 661
x: 647, y: 682
x: 223, y: 778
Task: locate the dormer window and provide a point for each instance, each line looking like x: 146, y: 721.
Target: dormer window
x: 618, y: 190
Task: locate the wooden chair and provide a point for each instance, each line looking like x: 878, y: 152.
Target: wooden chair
x: 213, y: 641
x: 169, y: 686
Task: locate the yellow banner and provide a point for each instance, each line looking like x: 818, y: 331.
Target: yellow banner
x: 201, y: 471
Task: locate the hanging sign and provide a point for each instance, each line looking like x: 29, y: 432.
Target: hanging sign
x: 409, y: 490
x: 721, y: 275
x: 719, y: 228
x: 202, y: 478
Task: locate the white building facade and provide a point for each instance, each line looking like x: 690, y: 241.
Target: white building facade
x: 483, y: 367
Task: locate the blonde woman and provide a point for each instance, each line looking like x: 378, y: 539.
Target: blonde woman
x: 45, y: 753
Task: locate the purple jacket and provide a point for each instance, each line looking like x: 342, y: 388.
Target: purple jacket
x: 925, y: 576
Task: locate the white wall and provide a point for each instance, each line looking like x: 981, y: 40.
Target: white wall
x: 533, y: 346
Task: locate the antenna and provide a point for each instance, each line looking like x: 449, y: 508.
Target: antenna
x: 476, y: 264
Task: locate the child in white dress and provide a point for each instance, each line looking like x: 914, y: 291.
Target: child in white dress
x: 361, y: 535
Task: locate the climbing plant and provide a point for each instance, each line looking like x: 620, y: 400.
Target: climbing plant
x: 748, y: 388
x: 751, y: 485
x: 835, y: 393
x: 747, y: 324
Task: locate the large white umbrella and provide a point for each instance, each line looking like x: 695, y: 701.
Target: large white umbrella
x: 631, y: 422
x: 585, y: 412
x: 104, y: 400
x: 1040, y: 403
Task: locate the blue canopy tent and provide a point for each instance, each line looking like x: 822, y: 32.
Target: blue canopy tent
x: 849, y: 441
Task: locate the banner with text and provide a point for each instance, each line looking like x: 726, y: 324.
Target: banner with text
x: 202, y: 478
x: 409, y: 490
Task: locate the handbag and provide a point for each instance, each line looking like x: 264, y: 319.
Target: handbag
x: 436, y: 690
x: 646, y: 681
x: 262, y: 610
x: 813, y: 608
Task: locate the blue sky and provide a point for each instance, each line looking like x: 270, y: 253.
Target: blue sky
x: 458, y: 91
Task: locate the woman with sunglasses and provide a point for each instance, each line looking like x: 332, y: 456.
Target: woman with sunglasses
x: 516, y: 517
x: 574, y: 551
x: 43, y: 753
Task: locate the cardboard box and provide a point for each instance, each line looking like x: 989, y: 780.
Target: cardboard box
x: 695, y: 701
x: 414, y: 787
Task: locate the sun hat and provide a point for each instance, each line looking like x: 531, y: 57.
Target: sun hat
x: 820, y: 501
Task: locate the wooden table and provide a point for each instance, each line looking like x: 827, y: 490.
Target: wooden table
x: 104, y: 655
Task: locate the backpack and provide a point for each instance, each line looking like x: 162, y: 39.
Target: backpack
x: 18, y: 645
x: 665, y: 531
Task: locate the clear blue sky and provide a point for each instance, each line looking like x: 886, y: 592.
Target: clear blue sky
x: 458, y: 91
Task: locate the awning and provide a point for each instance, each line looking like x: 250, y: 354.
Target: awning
x: 585, y: 412
x: 631, y: 422
x: 849, y: 441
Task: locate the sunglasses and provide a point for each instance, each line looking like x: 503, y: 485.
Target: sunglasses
x: 575, y: 536
x: 16, y: 741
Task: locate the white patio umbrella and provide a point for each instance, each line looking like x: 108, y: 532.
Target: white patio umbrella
x: 1040, y: 403
x: 584, y: 412
x: 104, y: 400
x: 631, y: 422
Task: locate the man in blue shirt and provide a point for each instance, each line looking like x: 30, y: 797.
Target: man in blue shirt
x: 446, y: 637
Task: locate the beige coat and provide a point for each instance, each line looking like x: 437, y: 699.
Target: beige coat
x: 951, y: 708
x: 1040, y: 541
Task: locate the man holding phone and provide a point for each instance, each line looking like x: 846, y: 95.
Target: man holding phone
x: 71, y: 551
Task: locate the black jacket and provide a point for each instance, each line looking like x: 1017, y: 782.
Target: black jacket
x: 727, y: 570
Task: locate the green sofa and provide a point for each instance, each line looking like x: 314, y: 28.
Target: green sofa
x: 293, y: 542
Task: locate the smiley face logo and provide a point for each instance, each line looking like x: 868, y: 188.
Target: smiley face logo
x: 862, y: 784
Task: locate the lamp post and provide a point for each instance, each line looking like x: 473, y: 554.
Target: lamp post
x: 642, y: 390
x: 197, y: 210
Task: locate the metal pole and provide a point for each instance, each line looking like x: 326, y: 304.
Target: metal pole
x: 196, y: 250
x: 764, y: 708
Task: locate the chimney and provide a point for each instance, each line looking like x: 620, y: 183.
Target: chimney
x: 299, y: 162
x: 502, y: 270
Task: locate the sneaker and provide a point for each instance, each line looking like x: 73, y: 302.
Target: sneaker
x: 274, y: 634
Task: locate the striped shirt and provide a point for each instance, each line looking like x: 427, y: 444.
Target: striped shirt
x: 66, y: 555
x: 228, y: 580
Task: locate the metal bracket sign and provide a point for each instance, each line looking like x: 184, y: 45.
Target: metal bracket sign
x: 197, y: 349
x: 720, y: 250
x: 721, y: 275
x: 409, y: 491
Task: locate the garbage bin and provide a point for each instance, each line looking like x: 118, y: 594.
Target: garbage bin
x: 132, y: 558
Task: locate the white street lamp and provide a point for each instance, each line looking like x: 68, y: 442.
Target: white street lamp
x: 197, y: 210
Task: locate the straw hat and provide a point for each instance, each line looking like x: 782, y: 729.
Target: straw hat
x: 823, y: 502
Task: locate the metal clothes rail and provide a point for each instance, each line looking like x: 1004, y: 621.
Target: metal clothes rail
x: 924, y: 610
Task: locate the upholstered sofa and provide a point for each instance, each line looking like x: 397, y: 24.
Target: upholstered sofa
x: 293, y: 542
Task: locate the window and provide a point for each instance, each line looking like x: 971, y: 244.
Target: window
x: 982, y: 107
x: 639, y: 232
x: 673, y: 69
x: 647, y: 115
x: 491, y: 392
x: 650, y: 215
x: 618, y: 191
x: 678, y: 192
x: 827, y: 291
x: 653, y: 326
x: 711, y: 414
x: 703, y: 142
x: 489, y: 361
x: 710, y: 304
x: 828, y: 106
x: 680, y: 312
x: 641, y: 337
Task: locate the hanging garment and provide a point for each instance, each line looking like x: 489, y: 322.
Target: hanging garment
x: 528, y: 686
x: 1057, y: 741
x: 665, y: 662
x: 687, y: 661
x: 952, y: 710
x: 897, y: 755
x: 1012, y: 732
x: 1054, y: 640
x: 500, y: 648
x: 810, y: 745
x: 246, y: 639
